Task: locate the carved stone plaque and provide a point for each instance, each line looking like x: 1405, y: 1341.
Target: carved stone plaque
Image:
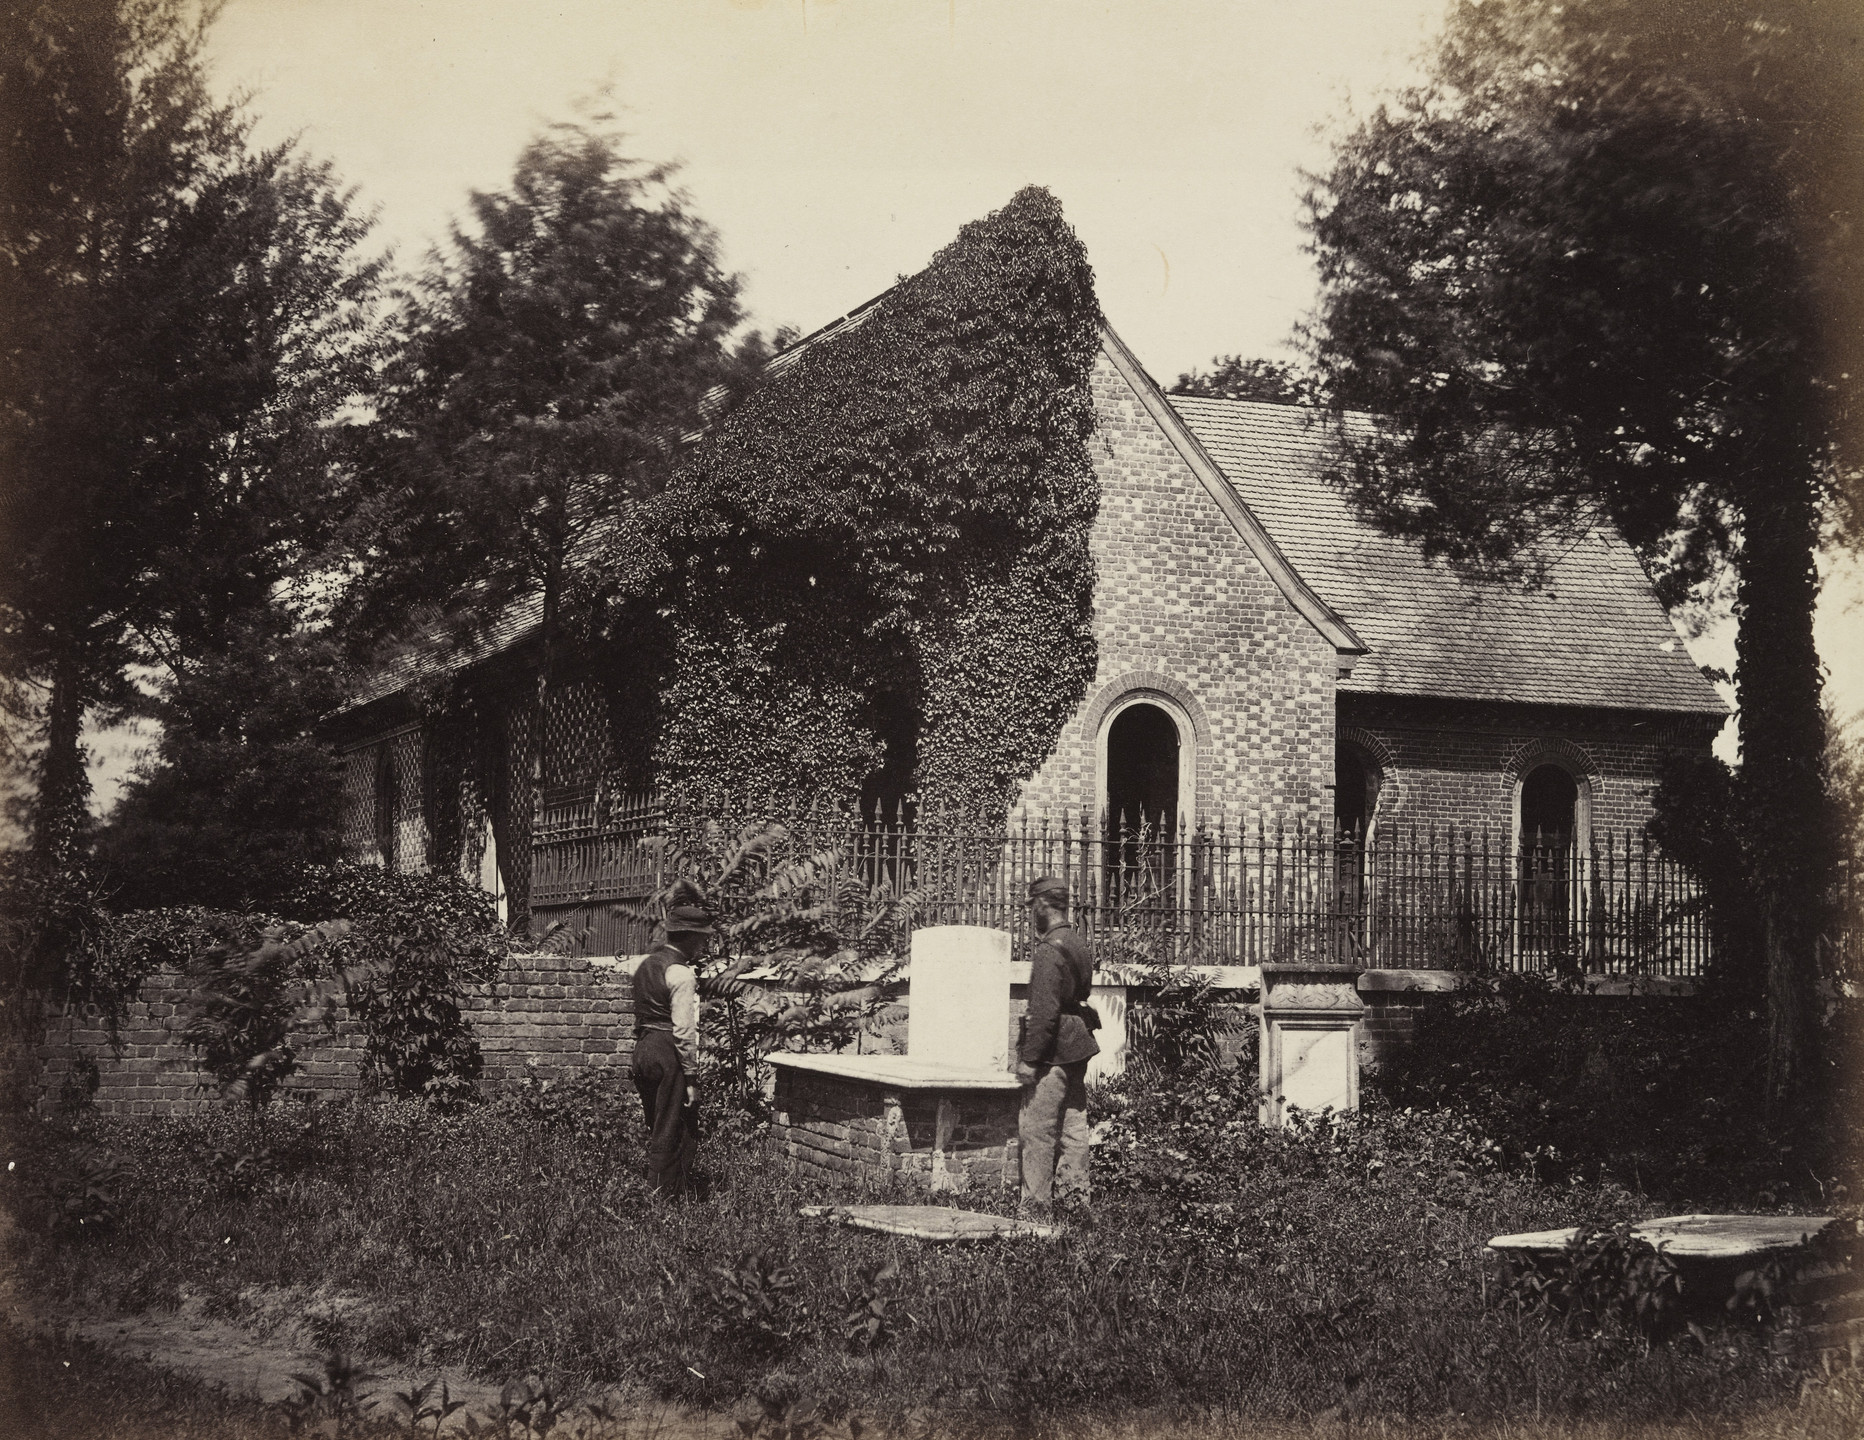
x: 1310, y: 1039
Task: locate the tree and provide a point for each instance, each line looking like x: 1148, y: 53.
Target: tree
x: 1596, y: 267
x: 1233, y: 378
x: 185, y: 322
x: 550, y: 364
x: 241, y: 796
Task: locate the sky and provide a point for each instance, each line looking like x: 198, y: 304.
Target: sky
x: 836, y: 146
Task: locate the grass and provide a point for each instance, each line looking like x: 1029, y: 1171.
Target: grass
x: 1233, y: 1278
x: 55, y: 1388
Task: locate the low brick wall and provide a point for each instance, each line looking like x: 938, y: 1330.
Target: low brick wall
x: 546, y: 1016
x: 868, y: 1132
x: 552, y: 1017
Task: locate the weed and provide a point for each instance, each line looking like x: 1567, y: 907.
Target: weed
x: 1607, y: 1279
x: 869, y: 1321
x: 756, y: 1300
x: 421, y: 1406
x: 527, y: 1408
x: 331, y: 1403
x: 75, y: 1191
x: 1232, y: 1269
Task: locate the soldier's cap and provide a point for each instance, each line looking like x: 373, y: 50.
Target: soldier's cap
x: 1051, y: 888
x: 689, y: 919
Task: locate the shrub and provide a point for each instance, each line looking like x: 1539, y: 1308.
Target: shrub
x: 1606, y: 1278
x: 755, y: 1299
x: 1662, y: 1094
x: 416, y: 940
x: 245, y: 1006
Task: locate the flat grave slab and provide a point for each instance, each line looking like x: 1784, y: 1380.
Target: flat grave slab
x: 931, y: 1222
x: 1689, y: 1237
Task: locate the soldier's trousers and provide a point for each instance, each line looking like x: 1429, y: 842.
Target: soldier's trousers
x: 1052, y: 1127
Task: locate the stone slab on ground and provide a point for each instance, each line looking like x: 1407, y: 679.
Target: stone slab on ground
x: 1690, y: 1237
x: 931, y: 1222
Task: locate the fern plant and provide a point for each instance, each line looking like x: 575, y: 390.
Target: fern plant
x: 807, y: 948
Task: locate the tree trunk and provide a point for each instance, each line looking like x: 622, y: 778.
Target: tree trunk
x: 1783, y: 783
x: 547, y: 646
x: 64, y: 792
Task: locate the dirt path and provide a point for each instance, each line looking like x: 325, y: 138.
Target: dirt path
x: 263, y: 1359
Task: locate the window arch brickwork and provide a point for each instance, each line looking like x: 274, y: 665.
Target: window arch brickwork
x: 1381, y: 775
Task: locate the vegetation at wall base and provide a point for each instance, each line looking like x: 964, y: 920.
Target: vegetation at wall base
x: 415, y: 942
x: 1662, y: 1094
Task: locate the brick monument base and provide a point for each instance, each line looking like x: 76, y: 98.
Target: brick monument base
x: 864, y: 1119
x: 944, y: 1113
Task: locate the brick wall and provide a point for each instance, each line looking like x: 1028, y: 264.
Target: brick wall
x: 562, y: 1012
x: 1182, y: 607
x: 1461, y: 763
x: 547, y: 1016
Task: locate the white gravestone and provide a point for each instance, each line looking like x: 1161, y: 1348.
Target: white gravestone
x: 1310, y: 1039
x: 958, y: 997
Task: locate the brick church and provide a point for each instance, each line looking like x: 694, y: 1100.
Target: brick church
x: 1265, y: 651
x: 1262, y: 652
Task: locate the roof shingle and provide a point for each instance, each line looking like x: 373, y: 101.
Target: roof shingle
x: 1595, y: 635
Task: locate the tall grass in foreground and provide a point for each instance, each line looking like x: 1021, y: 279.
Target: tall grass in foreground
x: 1232, y: 1274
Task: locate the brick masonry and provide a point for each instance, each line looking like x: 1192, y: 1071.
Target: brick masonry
x: 546, y: 1016
x: 872, y: 1135
x: 1185, y: 612
x: 1183, y: 609
x: 1456, y: 763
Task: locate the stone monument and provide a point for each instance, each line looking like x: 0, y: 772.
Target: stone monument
x: 1310, y: 1039
x: 943, y: 1114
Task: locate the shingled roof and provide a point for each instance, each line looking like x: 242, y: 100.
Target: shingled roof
x: 1595, y: 635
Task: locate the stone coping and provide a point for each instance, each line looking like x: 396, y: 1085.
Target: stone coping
x: 1249, y: 977
x: 901, y: 1071
x: 1386, y: 982
x: 1690, y: 1237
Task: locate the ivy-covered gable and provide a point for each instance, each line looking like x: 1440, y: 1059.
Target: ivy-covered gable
x: 883, y: 581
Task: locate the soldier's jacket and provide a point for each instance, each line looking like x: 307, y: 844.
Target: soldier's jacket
x: 1061, y: 977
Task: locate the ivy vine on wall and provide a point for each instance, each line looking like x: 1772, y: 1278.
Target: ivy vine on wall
x: 881, y: 578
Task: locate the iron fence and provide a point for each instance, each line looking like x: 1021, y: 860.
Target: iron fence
x: 592, y: 858
x: 1397, y: 897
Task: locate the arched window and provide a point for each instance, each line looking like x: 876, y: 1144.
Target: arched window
x: 1355, y: 791
x: 1546, y: 843
x: 1549, y: 806
x: 1144, y: 765
x: 1142, y: 769
x: 1355, y: 797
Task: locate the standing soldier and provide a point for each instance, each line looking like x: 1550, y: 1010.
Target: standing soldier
x: 666, y: 1048
x: 1052, y: 1059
